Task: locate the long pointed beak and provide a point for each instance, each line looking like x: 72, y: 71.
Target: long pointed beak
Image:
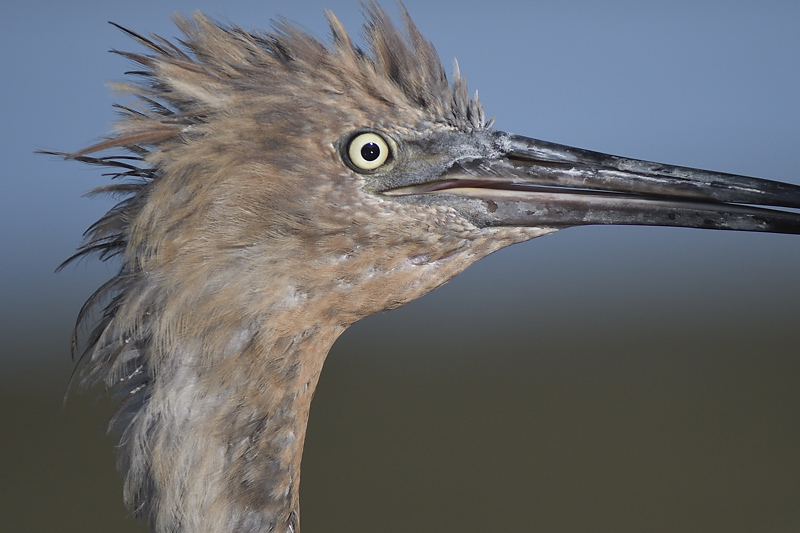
x: 528, y: 182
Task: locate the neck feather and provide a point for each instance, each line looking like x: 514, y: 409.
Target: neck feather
x: 214, y: 440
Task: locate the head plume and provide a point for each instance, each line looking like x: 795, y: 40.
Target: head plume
x: 181, y: 86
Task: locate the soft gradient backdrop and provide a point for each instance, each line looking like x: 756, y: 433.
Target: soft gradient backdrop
x: 600, y: 379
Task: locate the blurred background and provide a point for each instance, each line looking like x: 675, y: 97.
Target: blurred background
x: 599, y: 379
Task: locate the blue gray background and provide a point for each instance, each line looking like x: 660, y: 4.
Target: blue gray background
x: 599, y: 379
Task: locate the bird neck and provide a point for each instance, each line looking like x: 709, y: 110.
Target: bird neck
x: 217, y: 446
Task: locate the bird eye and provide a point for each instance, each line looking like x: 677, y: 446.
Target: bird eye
x: 368, y: 151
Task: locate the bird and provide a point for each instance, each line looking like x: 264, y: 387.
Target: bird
x: 273, y: 191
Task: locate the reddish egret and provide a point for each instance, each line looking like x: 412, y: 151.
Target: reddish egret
x: 276, y: 190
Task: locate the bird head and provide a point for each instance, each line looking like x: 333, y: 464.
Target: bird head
x: 332, y: 170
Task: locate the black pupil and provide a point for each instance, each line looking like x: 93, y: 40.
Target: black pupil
x: 370, y: 151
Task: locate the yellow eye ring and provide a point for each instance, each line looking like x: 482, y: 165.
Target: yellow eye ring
x: 368, y: 151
